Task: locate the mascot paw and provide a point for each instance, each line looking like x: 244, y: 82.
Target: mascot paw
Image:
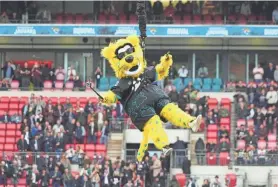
x: 167, y: 59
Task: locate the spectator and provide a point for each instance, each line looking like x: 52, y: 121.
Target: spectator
x: 245, y: 8
x: 241, y: 132
x: 224, y: 145
x: 272, y: 96
x: 276, y: 70
x: 275, y: 15
x: 79, y: 133
x: 71, y: 73
x: 183, y: 73
x: 92, y: 133
x: 78, y: 83
x: 200, y: 151
x: 60, y: 74
x: 270, y: 117
x: 269, y: 72
x: 22, y: 145
x: 206, y: 183
x: 223, y: 132
x: 5, y: 118
x: 8, y: 72
x: 262, y: 133
x: 37, y: 76
x: 56, y: 177
x: 169, y: 11
x: 44, y: 178
x: 158, y: 9
x: 156, y: 167
x: 104, y: 133
x: 44, y: 15
x: 45, y: 70
x: 203, y: 71
x: 98, y: 75
x: 174, y: 96
x: 25, y: 76
x: 4, y: 18
x: 216, y: 183
x: 258, y: 73
x: 191, y: 182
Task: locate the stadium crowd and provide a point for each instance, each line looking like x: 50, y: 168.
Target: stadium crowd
x: 31, y: 12
x: 257, y: 118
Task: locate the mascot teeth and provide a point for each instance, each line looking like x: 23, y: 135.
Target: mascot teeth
x: 134, y: 70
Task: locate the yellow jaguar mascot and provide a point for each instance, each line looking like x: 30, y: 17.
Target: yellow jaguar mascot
x: 146, y: 103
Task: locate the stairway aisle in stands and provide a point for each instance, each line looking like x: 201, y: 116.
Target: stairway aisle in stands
x: 233, y: 132
x: 115, y: 145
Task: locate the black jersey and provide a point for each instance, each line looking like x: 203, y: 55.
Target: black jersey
x: 141, y: 97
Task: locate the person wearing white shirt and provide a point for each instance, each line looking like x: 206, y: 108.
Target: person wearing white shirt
x: 258, y: 73
x: 183, y: 73
x: 245, y: 8
x: 71, y: 73
x: 272, y: 96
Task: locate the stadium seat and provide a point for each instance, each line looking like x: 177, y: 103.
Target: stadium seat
x: 101, y: 18
x: 24, y: 100
x: 68, y: 146
x: 212, y: 128
x: 250, y: 123
x: 83, y: 100
x: 79, y: 18
x: 14, y: 100
x: 73, y: 100
x: 224, y: 158
x: 100, y: 148
x: 89, y: 147
x: 212, y: 103
x: 5, y: 99
x: 122, y: 18
x: 10, y: 133
x: 113, y: 81
x: 270, y: 146
x: 2, y: 126
x: 11, y: 126
x: 181, y: 179
x: 208, y: 81
x: 94, y: 100
x: 217, y: 81
x: 2, y: 133
x: 216, y: 88
x: 197, y: 81
x: 104, y: 84
x: 177, y: 19
x: 62, y: 100
x: 80, y: 145
x: 241, y: 144
x: 54, y: 100
x: 226, y: 103
x: 261, y: 144
x: 218, y: 19
x: 197, y: 87
x: 112, y: 19
x: 241, y: 122
x: 9, y: 147
x: 2, y: 140
x: 69, y: 18
x: 211, y: 159
x: 206, y: 88
x: 59, y: 85
x: 4, y: 106
x: 15, y: 85
x: 186, y: 19
x: 212, y: 135
x: 10, y: 140
x: 133, y: 19
x: 47, y: 85
x: 225, y: 121
x: 13, y: 106
x: 271, y: 138
x: 69, y: 86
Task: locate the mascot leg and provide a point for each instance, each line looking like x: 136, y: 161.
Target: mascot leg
x: 154, y: 129
x: 177, y: 117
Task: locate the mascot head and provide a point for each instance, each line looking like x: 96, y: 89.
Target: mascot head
x: 125, y: 57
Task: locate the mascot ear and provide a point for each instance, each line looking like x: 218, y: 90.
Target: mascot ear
x: 134, y: 40
x: 108, y: 52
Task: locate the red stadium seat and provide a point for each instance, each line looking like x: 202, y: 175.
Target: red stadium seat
x: 69, y: 86
x: 63, y: 100
x: 272, y: 146
x: 1, y: 148
x: 133, y: 19
x: 11, y: 126
x: 226, y: 103
x: 112, y: 19
x: 9, y: 147
x: 224, y: 158
x: 15, y: 85
x: 10, y: 133
x: 73, y: 100
x: 14, y: 100
x: 212, y: 103
x: 59, y: 85
x: 80, y: 145
x: 212, y: 128
x: 212, y: 135
x: 181, y: 178
x: 2, y: 133
x: 100, y: 148
x: 79, y: 18
x: 218, y: 19
x: 250, y: 122
x: 271, y: 138
x: 241, y: 144
x: 177, y: 19
x: 2, y: 126
x: 83, y: 100
x: 261, y: 144
x: 211, y: 159
x: 2, y: 140
x: 13, y: 106
x: 4, y: 106
x: 101, y: 18
x: 22, y: 181
x: 225, y: 121
x: 24, y: 100
x: 90, y: 147
x: 10, y: 140
x: 232, y: 18
x: 69, y: 18
x: 47, y: 85
x: 94, y: 100
x: 68, y: 146
x: 4, y: 99
x: 54, y: 100
x: 122, y: 18
x: 241, y: 122
x: 231, y: 179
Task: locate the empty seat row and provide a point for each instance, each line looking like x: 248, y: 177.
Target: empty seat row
x: 262, y: 144
x: 223, y: 159
x: 224, y: 102
x: 88, y: 147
